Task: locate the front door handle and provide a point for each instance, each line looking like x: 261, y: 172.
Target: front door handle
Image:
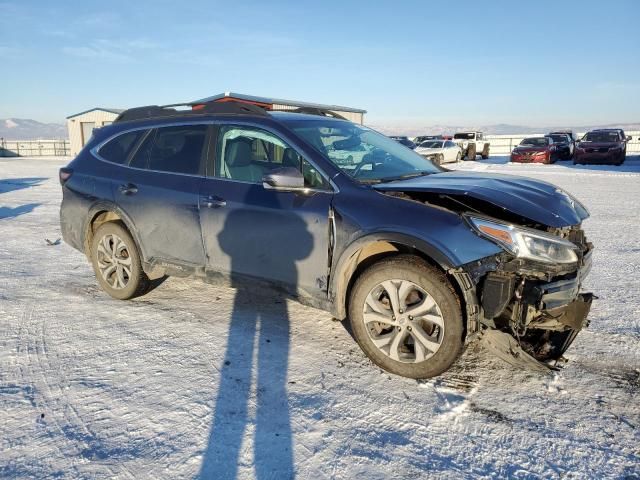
x: 211, y: 201
x: 128, y: 189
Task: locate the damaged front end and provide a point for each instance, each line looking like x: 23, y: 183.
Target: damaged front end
x: 524, y: 302
x: 531, y: 312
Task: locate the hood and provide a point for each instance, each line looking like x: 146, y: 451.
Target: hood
x: 538, y: 201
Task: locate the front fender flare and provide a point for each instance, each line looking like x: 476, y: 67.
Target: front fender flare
x: 343, y: 267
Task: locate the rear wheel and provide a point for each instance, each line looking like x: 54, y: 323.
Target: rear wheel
x: 471, y: 152
x: 406, y: 317
x: 116, y: 262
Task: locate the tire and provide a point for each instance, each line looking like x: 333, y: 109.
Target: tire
x: 485, y: 152
x: 458, y: 157
x: 443, y: 329
x: 471, y: 152
x: 439, y: 159
x: 127, y: 279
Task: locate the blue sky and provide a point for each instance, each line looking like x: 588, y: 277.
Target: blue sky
x: 406, y: 62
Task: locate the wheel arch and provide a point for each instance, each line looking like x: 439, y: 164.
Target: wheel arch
x: 365, y: 251
x: 103, y: 212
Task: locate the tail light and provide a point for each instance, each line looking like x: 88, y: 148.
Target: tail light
x: 65, y: 174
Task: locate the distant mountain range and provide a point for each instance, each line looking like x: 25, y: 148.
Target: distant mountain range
x: 498, y: 129
x: 27, y: 129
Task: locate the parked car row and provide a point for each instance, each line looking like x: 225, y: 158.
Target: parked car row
x: 442, y: 148
x: 608, y: 146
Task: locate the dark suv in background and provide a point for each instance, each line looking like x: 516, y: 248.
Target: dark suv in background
x: 564, y: 145
x: 419, y: 259
x: 604, y: 146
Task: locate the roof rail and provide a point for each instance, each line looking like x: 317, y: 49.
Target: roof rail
x: 318, y: 111
x: 163, y: 111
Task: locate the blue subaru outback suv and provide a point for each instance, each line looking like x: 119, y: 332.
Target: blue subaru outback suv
x: 421, y: 260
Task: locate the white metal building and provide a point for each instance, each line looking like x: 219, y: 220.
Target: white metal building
x: 80, y: 125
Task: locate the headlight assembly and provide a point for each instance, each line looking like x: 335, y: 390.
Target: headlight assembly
x: 526, y: 243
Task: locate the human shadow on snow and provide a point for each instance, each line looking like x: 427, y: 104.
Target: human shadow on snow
x: 261, y: 325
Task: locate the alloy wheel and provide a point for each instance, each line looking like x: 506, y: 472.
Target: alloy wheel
x: 403, y: 321
x: 114, y: 261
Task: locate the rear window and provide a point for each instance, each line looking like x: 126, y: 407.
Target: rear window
x: 118, y: 149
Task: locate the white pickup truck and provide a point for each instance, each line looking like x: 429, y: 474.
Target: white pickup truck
x: 472, y: 143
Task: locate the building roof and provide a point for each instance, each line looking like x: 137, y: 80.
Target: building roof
x: 278, y: 101
x: 116, y: 111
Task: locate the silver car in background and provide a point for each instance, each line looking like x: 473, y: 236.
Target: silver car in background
x: 440, y: 151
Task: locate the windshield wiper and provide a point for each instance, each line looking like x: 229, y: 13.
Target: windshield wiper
x: 406, y: 176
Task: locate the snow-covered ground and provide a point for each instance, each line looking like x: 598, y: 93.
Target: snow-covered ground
x: 92, y: 387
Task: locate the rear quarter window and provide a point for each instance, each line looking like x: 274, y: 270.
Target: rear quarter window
x: 118, y: 149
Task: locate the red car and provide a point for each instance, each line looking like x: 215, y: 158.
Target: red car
x: 608, y: 147
x: 535, y: 150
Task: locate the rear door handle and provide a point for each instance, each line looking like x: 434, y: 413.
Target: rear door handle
x: 128, y: 189
x: 211, y: 201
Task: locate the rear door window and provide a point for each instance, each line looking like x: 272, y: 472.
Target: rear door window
x: 118, y: 149
x: 178, y: 149
x: 173, y: 149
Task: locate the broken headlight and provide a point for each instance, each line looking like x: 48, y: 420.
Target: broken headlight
x: 527, y: 243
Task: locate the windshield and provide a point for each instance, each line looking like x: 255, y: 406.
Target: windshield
x: 464, y: 136
x: 360, y: 152
x: 535, y: 142
x: 601, y: 137
x: 431, y: 144
x: 559, y: 138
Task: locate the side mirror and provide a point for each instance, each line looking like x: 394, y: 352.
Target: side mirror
x: 283, y: 179
x: 629, y: 139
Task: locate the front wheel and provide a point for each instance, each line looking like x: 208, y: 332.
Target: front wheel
x: 458, y: 157
x: 116, y: 262
x: 406, y: 317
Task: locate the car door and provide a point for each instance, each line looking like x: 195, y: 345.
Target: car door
x: 158, y: 190
x: 249, y: 231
